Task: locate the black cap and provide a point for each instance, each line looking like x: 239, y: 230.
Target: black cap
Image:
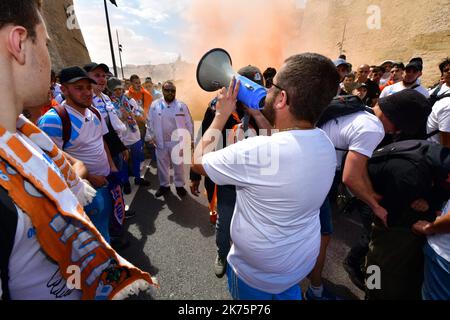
x: 415, y: 64
x: 408, y: 110
x: 74, y: 74
x: 92, y: 66
x: 252, y: 73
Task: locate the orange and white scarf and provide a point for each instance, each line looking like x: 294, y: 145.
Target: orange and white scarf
x: 39, y: 183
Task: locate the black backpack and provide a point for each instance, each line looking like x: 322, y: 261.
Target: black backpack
x: 435, y: 96
x: 412, y: 150
x: 341, y: 106
x: 8, y: 226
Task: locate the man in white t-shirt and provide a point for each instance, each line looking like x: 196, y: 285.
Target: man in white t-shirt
x: 86, y: 140
x: 438, y: 125
x: 281, y: 181
x: 413, y: 71
x: 355, y: 136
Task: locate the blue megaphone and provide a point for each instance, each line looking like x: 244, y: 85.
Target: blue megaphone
x: 215, y: 71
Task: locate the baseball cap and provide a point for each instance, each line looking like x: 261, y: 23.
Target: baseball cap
x: 408, y: 110
x: 114, y: 84
x: 340, y: 62
x: 92, y: 66
x: 252, y: 73
x: 74, y: 74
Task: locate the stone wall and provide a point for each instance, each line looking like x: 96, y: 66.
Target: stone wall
x: 67, y: 47
x: 407, y: 29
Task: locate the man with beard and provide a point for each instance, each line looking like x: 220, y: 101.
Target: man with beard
x: 281, y: 180
x: 225, y: 196
x: 413, y: 71
x: 373, y: 90
x: 86, y: 140
x: 167, y: 123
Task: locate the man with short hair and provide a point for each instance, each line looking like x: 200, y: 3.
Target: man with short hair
x: 168, y: 124
x: 139, y: 94
x: 413, y: 71
x: 281, y: 180
x: 397, y: 71
x: 373, y: 90
x: 42, y: 223
x: 376, y: 74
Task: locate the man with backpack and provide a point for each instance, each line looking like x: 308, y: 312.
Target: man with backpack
x: 356, y: 133
x: 412, y: 177
x: 86, y: 131
x: 438, y: 126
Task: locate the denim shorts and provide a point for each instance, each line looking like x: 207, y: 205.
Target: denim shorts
x: 239, y: 290
x: 436, y: 284
x: 326, y: 222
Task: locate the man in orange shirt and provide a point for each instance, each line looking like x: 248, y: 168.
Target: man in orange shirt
x: 138, y: 93
x: 144, y: 99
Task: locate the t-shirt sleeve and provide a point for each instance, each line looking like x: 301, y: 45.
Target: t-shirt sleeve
x: 443, y: 119
x: 227, y: 166
x: 51, y: 124
x: 366, y: 139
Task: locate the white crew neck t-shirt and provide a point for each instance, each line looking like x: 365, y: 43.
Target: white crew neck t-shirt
x: 281, y: 182
x: 361, y: 132
x: 439, y: 119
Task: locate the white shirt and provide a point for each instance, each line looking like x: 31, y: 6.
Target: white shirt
x: 281, y: 182
x: 361, y: 132
x: 399, y: 86
x: 444, y: 89
x: 439, y: 119
x: 441, y: 242
x: 33, y: 276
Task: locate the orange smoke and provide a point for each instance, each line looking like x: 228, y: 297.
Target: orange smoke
x: 262, y: 33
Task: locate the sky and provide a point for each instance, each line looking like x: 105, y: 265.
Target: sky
x: 150, y: 31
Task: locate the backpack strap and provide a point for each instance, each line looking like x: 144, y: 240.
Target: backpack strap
x: 431, y: 134
x: 66, y: 124
x: 96, y: 112
x: 8, y: 226
x: 415, y: 86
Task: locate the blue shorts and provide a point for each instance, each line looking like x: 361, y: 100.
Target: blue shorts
x: 239, y: 290
x: 326, y: 222
x: 436, y: 283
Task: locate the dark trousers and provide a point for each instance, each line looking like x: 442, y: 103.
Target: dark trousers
x: 226, y: 201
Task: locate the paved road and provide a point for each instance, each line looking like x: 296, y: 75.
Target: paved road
x: 173, y: 240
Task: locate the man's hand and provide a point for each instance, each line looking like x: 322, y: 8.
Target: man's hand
x: 420, y: 205
x: 422, y: 228
x: 97, y: 181
x: 195, y: 188
x: 226, y: 100
x: 126, y: 155
x: 381, y: 213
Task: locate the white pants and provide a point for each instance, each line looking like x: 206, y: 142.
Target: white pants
x: 164, y: 160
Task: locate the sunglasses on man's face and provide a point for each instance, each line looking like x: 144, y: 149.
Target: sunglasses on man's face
x: 169, y: 90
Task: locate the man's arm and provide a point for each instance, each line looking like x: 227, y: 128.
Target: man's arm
x: 445, y: 139
x: 356, y: 178
x: 440, y: 225
x: 226, y: 104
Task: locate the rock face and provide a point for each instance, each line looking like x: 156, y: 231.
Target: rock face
x: 67, y: 47
x: 379, y: 30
